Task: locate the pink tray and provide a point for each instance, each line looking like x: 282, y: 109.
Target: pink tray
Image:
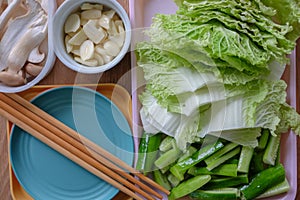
x: 141, y: 13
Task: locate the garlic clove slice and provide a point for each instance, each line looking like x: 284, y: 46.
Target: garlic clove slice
x: 107, y: 58
x: 72, y: 23
x: 99, y: 49
x: 78, y: 38
x: 109, y: 13
x: 104, y: 22
x: 89, y: 6
x: 111, y: 48
x: 91, y: 14
x: 87, y: 50
x: 99, y: 58
x: 69, y: 47
x: 90, y: 63
x: 93, y: 33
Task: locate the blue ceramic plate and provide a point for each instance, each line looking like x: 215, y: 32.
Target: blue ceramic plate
x: 44, y: 173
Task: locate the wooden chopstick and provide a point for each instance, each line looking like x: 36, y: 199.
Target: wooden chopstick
x: 28, y: 125
x: 88, y: 144
x: 11, y: 113
x: 44, y: 119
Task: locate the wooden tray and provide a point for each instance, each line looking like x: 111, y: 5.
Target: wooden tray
x: 117, y: 94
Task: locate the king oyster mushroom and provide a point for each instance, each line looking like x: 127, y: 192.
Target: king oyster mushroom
x: 21, y: 40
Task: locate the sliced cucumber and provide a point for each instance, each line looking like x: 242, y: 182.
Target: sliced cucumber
x: 245, y: 159
x: 271, y: 151
x: 281, y: 188
x: 222, y: 170
x: 189, y: 186
x: 217, y: 194
x: 263, y: 181
x: 223, y: 151
x: 263, y: 139
x: 215, y: 163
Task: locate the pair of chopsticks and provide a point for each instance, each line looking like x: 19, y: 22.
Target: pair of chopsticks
x: 77, y: 148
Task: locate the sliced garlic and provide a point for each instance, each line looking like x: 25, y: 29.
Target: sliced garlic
x: 78, y: 38
x: 119, y: 39
x: 112, y: 48
x: 91, y: 62
x: 76, y: 52
x: 91, y: 14
x: 112, y: 29
x: 118, y: 23
x: 107, y: 58
x: 98, y: 39
x: 83, y: 22
x: 87, y: 50
x: 110, y: 13
x: 93, y: 33
x: 69, y: 47
x: 99, y: 49
x: 105, y: 21
x: 89, y: 6
x: 99, y: 58
x: 72, y: 23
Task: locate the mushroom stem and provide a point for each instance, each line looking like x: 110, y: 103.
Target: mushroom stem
x: 12, y: 79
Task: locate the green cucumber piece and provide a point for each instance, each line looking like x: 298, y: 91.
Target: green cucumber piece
x: 166, y: 144
x: 223, y: 151
x: 222, y: 170
x: 281, y: 188
x: 190, y: 151
x: 189, y: 186
x: 232, y: 161
x: 148, y: 150
x: 181, y: 167
x: 271, y: 151
x: 217, y: 194
x: 227, y: 182
x: 173, y: 180
x: 263, y: 139
x: 161, y: 179
x: 168, y: 158
x: 215, y: 163
x: 245, y: 159
x: 263, y: 181
x: 257, y: 164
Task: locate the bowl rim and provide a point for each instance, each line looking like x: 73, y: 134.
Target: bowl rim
x: 59, y: 18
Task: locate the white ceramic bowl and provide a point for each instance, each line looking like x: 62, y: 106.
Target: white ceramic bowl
x: 70, y: 6
x: 49, y: 63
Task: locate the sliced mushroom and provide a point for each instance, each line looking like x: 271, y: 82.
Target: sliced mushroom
x: 7, y: 14
x: 12, y: 79
x: 18, y: 27
x: 30, y: 40
x: 36, y: 56
x: 33, y: 69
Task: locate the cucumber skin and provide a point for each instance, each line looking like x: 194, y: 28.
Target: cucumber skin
x: 227, y: 182
x: 245, y: 159
x: 189, y: 186
x: 161, y: 179
x: 263, y: 181
x: 180, y: 168
x: 148, y: 150
x: 210, y: 195
x: 271, y: 151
